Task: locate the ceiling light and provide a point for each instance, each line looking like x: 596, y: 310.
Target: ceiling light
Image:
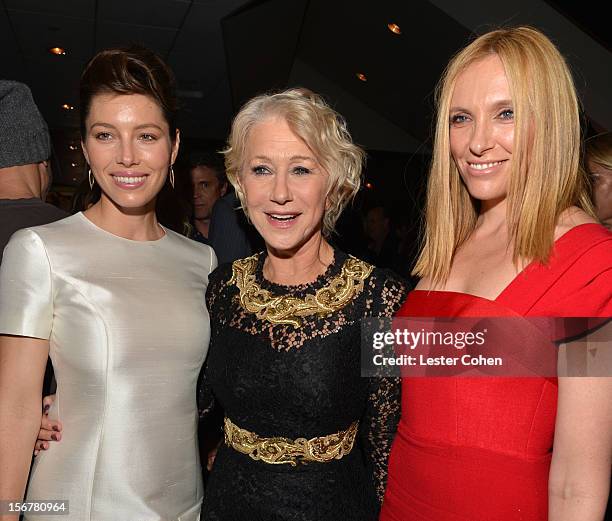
x: 361, y: 76
x: 66, y: 106
x: 394, y: 28
x: 59, y: 51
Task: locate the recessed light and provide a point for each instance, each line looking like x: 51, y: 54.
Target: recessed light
x: 394, y: 28
x: 66, y: 106
x: 58, y: 51
x: 361, y: 76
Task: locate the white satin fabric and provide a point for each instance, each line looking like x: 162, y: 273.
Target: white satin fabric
x: 128, y: 331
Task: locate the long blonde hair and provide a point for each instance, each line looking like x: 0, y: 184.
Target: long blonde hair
x: 546, y: 175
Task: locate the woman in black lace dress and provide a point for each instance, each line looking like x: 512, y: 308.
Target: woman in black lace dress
x: 306, y: 437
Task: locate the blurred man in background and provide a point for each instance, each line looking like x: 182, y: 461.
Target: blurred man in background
x: 25, y: 174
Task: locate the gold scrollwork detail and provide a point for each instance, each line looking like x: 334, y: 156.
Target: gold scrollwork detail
x: 279, y: 451
x: 286, y: 309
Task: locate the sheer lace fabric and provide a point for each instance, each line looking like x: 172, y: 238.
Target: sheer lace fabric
x: 278, y: 380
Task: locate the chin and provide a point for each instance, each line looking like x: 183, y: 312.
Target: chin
x: 133, y: 202
x: 486, y: 192
x: 281, y: 244
x: 289, y: 242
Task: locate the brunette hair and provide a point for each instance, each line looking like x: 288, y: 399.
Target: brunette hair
x: 130, y: 70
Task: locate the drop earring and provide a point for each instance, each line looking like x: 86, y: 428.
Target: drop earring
x: 92, y: 179
x: 171, y: 176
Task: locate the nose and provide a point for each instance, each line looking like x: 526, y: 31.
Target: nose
x: 281, y: 191
x: 126, y: 153
x: 482, y: 138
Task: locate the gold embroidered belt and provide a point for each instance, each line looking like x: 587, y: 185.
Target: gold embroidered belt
x: 279, y: 451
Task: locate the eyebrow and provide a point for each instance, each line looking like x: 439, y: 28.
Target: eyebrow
x: 292, y: 158
x: 138, y: 127
x: 496, y: 105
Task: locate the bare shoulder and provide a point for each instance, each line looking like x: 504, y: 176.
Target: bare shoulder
x: 570, y: 218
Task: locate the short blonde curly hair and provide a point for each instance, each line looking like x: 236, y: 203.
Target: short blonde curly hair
x: 320, y: 127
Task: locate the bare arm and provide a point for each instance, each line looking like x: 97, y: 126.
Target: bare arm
x: 582, y: 455
x: 22, y: 368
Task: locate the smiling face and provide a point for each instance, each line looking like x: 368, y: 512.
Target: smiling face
x: 482, y: 129
x: 284, y: 186
x: 129, y: 150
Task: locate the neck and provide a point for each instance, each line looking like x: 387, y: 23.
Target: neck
x: 492, y: 217
x: 301, y: 266
x: 20, y: 182
x: 138, y: 224
x: 202, y: 225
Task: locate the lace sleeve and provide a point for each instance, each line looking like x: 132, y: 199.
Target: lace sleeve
x: 382, y: 414
x: 206, y: 400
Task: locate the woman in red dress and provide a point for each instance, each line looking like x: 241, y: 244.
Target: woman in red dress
x: 510, y: 231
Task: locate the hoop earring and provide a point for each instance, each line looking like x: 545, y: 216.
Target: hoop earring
x: 92, y: 179
x: 171, y: 176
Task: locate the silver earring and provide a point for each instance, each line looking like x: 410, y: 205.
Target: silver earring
x: 172, y: 176
x: 92, y: 179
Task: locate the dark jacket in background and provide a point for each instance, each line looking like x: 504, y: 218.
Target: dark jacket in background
x: 230, y: 235
x: 16, y: 214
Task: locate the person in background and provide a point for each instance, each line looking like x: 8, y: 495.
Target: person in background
x: 510, y: 232
x: 217, y: 218
x: 598, y: 162
x: 208, y: 184
x: 231, y: 235
x: 25, y: 172
x: 383, y: 243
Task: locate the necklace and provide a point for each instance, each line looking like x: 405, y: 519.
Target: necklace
x: 286, y: 309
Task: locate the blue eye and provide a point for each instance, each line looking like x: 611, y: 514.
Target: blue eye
x: 260, y: 170
x: 457, y: 119
x: 507, y: 114
x: 301, y: 170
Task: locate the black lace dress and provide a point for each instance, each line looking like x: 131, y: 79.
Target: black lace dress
x: 280, y: 380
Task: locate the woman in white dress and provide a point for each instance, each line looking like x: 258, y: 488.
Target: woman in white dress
x: 117, y: 301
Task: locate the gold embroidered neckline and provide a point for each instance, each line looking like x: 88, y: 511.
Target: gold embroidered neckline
x: 287, y: 309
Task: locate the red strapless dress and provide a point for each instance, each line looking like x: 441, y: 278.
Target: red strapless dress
x: 479, y: 449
